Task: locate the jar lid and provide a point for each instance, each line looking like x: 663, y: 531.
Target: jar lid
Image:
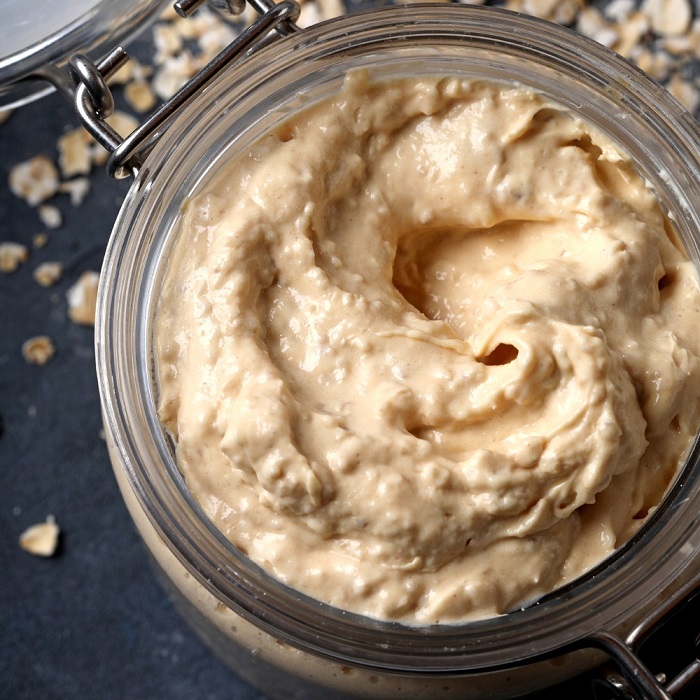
x: 37, y: 38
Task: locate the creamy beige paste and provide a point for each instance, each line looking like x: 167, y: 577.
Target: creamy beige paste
x: 430, y: 350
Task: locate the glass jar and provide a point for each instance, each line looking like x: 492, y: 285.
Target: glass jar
x: 276, y: 638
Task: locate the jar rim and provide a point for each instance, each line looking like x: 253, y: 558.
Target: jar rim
x: 601, y: 599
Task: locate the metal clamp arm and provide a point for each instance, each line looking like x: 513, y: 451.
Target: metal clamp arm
x: 660, y: 657
x: 94, y: 101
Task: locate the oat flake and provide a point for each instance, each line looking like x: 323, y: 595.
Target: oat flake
x: 41, y: 540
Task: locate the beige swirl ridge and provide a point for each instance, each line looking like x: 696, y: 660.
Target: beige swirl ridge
x: 428, y: 351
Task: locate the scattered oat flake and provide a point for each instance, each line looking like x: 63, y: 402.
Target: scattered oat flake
x: 591, y: 23
x: 98, y: 154
x: 48, y: 273
x: 38, y: 350
x: 77, y: 189
x: 668, y: 17
x: 187, y: 29
x: 173, y: 74
x: 39, y: 240
x: 12, y: 255
x: 74, y: 153
x: 123, y: 75
x: 331, y: 8
x: 685, y: 92
x: 50, y: 216
x: 41, y: 540
x: 689, y: 42
x: 34, y: 180
x: 82, y: 297
x: 169, y: 14
x: 632, y: 32
x: 167, y: 41
x: 215, y: 40
x: 309, y: 15
x: 619, y: 10
x: 200, y: 23
x: 140, y: 96
x: 131, y: 70
x: 657, y: 63
x: 5, y: 115
x: 122, y: 123
x: 560, y: 11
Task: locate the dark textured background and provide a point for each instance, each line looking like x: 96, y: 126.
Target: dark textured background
x: 92, y: 621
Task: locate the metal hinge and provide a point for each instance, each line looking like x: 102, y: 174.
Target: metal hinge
x: 94, y: 101
x: 659, y: 658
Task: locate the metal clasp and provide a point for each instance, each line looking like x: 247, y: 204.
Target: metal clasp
x: 94, y: 101
x: 659, y: 658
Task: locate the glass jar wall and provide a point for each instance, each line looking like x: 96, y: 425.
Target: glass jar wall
x: 278, y: 638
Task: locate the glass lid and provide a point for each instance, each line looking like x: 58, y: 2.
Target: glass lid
x: 40, y: 37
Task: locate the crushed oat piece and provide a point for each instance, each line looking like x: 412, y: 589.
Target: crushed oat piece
x: 632, y: 32
x: 591, y: 23
x: 559, y: 11
x: 199, y: 24
x: 310, y: 14
x: 139, y: 95
x: 168, y: 42
x: 48, y: 273
x: 123, y: 75
x: 34, y: 180
x: 169, y: 14
x: 657, y: 63
x: 12, y: 255
x: 567, y: 10
x: 74, y: 153
x: 187, y: 29
x: 679, y: 44
x: 173, y: 74
x: 39, y: 240
x: 41, y: 539
x: 77, y: 189
x: 668, y: 17
x: 214, y: 40
x: 331, y: 8
x: 250, y: 14
x: 98, y: 154
x: 619, y: 10
x: 131, y: 70
x: 122, y: 123
x: 50, y: 215
x: 5, y: 115
x: 38, y: 350
x: 687, y: 43
x: 82, y: 297
x: 684, y: 91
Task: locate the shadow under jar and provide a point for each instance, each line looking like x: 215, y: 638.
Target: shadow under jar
x: 278, y: 639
